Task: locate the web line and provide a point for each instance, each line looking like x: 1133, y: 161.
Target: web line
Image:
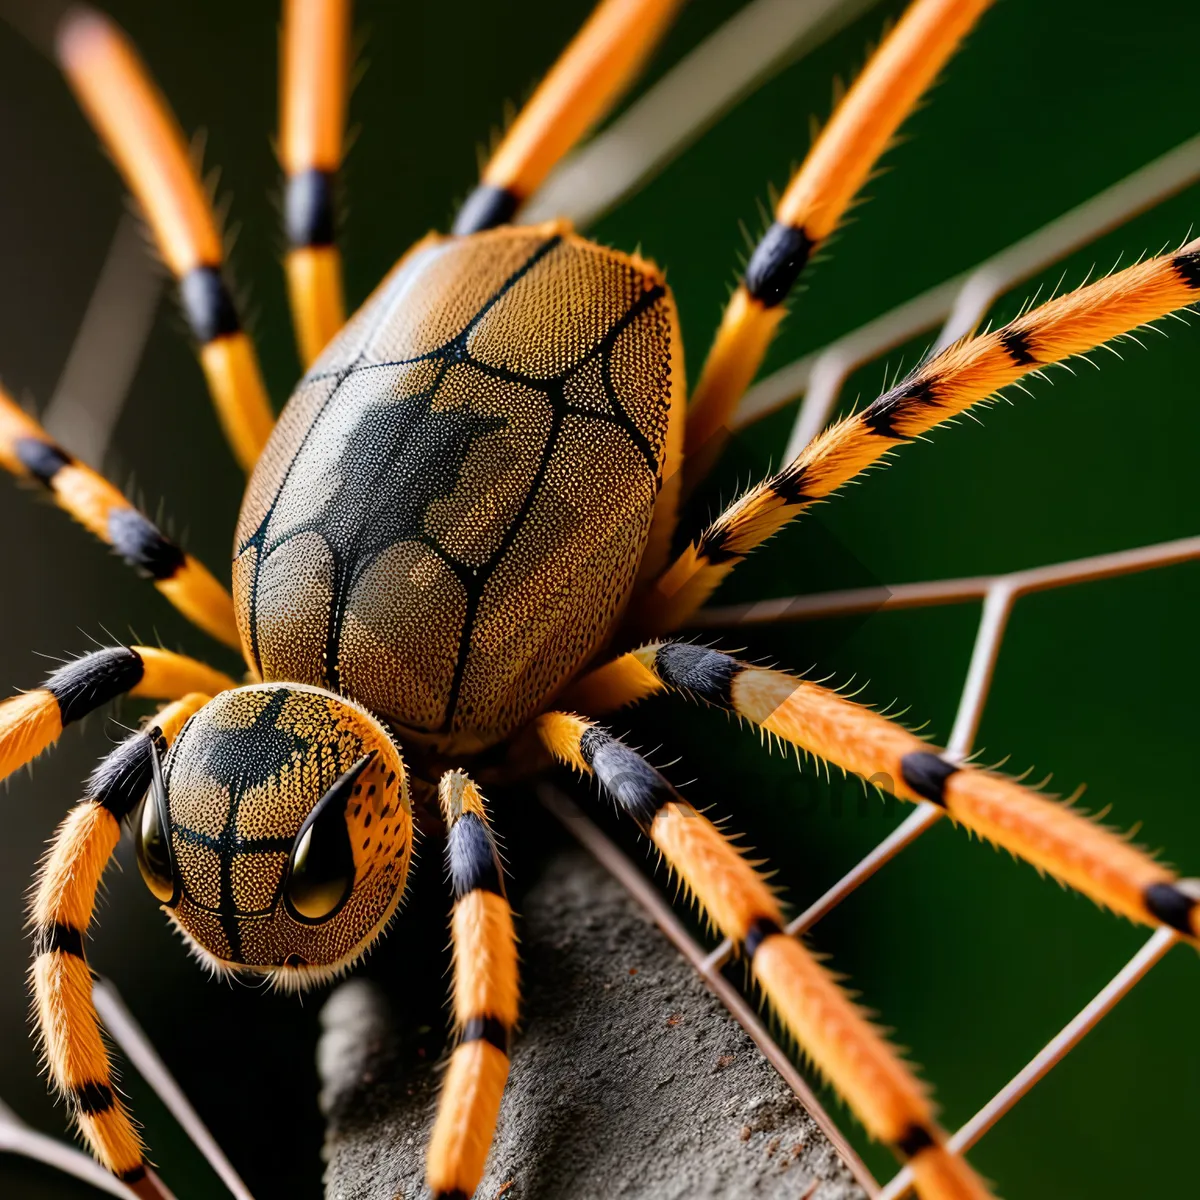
x: 960, y: 303
x: 963, y: 301
x: 1000, y: 594
x: 631, y: 877
x: 754, y: 44
x: 639, y: 144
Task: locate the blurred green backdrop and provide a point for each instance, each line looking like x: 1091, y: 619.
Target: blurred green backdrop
x: 971, y: 957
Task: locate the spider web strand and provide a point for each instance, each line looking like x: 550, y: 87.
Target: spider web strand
x: 137, y: 1047
x: 961, y: 302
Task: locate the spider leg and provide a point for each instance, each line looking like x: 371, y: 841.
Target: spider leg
x: 316, y: 61
x: 485, y: 994
x: 588, y: 78
x: 33, y: 720
x: 1050, y: 835
x: 960, y: 376
x: 145, y: 141
x: 28, y: 452
x: 61, y: 911
x: 838, y: 165
x: 832, y: 1031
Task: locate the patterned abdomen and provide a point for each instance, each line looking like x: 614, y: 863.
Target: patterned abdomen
x: 451, y: 511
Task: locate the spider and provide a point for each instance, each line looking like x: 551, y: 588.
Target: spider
x: 456, y: 556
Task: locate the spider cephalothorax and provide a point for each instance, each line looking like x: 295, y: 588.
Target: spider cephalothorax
x: 278, y: 833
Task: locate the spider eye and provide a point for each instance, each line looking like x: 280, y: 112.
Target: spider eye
x: 153, y: 843
x: 321, y: 874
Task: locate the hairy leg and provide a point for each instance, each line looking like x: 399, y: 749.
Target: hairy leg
x: 34, y: 720
x: 828, y: 1026
x: 148, y: 147
x: 60, y: 913
x: 315, y: 85
x: 1053, y: 837
x: 485, y: 994
x: 960, y: 376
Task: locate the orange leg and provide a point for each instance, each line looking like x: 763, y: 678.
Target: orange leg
x: 1050, y: 835
x: 831, y: 1030
x: 60, y: 913
x: 148, y: 147
x: 34, y: 720
x: 593, y: 72
x: 316, y: 60
x: 28, y: 452
x: 962, y: 375
x: 485, y: 995
x: 841, y: 161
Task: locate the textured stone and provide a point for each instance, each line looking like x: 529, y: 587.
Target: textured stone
x: 628, y: 1079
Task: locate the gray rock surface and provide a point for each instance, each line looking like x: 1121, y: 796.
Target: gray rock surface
x: 628, y: 1078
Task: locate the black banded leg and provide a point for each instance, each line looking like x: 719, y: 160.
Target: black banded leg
x: 838, y: 165
x: 229, y: 362
x: 207, y: 305
x: 33, y: 720
x: 149, y: 149
x: 28, y: 452
x: 487, y: 207
x: 315, y: 66
x: 962, y: 375
x: 485, y: 994
x: 828, y: 1026
x: 60, y: 914
x: 589, y: 77
x: 1053, y: 837
x: 1176, y: 903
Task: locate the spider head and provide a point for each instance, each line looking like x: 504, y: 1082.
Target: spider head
x: 278, y: 831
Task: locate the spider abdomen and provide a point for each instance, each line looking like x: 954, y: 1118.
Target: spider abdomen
x: 451, y: 511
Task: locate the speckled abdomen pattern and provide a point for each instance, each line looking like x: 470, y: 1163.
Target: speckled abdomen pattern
x: 451, y: 512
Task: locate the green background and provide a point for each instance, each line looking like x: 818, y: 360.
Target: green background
x: 970, y: 957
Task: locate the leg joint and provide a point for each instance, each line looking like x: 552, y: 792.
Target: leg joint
x: 207, y: 305
x: 486, y: 1029
x: 485, y: 208
x: 92, y: 1098
x: 124, y: 777
x: 697, y: 669
x: 635, y: 785
x: 42, y: 459
x: 142, y: 545
x: 776, y: 263
x: 471, y: 854
x: 1173, y: 903
x: 1017, y: 346
x: 926, y: 773
x: 1187, y: 267
x: 309, y: 209
x: 84, y: 685
x: 58, y: 938
x: 760, y: 929
x: 915, y: 1139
